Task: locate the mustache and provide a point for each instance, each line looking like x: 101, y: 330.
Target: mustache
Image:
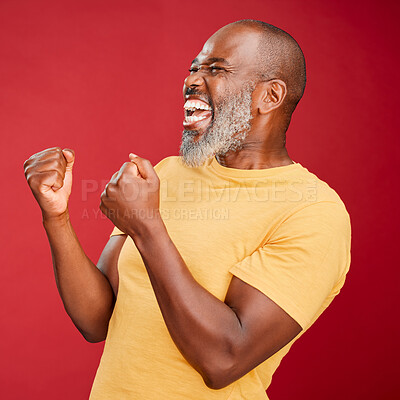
x: 195, y: 92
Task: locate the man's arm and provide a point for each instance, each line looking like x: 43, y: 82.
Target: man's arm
x: 85, y: 290
x: 221, y: 340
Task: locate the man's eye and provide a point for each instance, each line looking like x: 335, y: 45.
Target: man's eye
x: 213, y: 69
x: 216, y: 70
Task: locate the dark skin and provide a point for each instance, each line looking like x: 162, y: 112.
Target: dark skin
x: 237, y: 46
x: 222, y: 340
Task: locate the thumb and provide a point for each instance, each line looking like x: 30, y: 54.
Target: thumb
x: 145, y: 168
x: 69, y: 156
x: 136, y: 170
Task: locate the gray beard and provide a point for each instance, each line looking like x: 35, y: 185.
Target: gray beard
x: 226, y: 132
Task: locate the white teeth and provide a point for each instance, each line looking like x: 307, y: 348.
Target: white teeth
x: 196, y: 105
x: 192, y: 118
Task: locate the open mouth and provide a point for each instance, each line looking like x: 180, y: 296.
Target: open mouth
x: 197, y: 114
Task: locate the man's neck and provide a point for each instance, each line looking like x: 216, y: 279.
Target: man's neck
x: 252, y: 158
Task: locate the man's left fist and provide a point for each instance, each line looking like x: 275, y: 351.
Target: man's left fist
x: 132, y: 197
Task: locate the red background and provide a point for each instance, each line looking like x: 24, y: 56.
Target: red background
x: 105, y: 78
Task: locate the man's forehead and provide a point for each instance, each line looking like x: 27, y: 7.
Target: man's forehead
x: 231, y: 47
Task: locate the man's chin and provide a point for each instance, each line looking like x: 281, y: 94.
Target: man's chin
x: 192, y: 136
x: 193, y: 153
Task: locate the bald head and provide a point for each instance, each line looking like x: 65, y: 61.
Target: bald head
x: 278, y: 57
x: 247, y: 79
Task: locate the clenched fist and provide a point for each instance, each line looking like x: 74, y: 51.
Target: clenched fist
x: 131, y: 198
x: 49, y: 175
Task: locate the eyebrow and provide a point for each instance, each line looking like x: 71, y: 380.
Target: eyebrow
x: 212, y: 60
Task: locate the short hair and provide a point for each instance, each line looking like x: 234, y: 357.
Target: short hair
x: 280, y: 57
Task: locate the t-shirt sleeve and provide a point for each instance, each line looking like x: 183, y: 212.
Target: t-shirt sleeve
x: 116, y: 232
x: 301, y: 263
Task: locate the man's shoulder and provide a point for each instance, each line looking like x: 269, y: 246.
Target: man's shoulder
x: 170, y: 163
x: 165, y: 161
x: 313, y: 199
x: 316, y: 189
x: 174, y: 167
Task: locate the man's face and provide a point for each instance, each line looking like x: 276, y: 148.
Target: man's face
x: 218, y: 95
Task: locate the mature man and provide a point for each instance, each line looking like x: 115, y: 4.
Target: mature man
x: 221, y: 257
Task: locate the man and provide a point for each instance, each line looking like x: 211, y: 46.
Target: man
x: 221, y: 257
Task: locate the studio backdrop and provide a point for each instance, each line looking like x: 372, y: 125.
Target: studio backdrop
x: 105, y: 78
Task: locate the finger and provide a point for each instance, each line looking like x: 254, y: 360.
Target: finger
x: 46, y: 180
x: 52, y: 179
x: 53, y: 152
x: 129, y: 170
x: 38, y: 166
x: 113, y: 178
x: 131, y: 156
x: 69, y: 156
x: 145, y: 168
x: 46, y: 153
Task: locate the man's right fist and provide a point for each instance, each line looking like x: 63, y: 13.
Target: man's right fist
x: 49, y: 175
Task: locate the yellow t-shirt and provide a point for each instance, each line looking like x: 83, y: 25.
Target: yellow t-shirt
x: 281, y: 230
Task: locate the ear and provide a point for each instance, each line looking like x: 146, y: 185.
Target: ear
x: 270, y: 95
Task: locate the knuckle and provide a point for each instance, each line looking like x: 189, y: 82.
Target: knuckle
x: 58, y: 164
x: 26, y: 163
x: 47, y: 152
x: 29, y: 179
x: 113, y: 178
x: 54, y: 173
x: 32, y: 180
x: 108, y: 190
x: 27, y: 169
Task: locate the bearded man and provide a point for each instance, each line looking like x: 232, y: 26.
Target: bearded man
x: 220, y: 258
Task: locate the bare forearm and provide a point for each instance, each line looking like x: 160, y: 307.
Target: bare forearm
x: 205, y: 329
x: 84, y: 290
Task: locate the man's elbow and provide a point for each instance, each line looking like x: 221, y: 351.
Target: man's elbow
x: 215, y: 383
x: 222, y: 374
x: 93, y: 337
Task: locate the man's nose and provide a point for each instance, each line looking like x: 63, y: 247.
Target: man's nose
x: 194, y: 79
